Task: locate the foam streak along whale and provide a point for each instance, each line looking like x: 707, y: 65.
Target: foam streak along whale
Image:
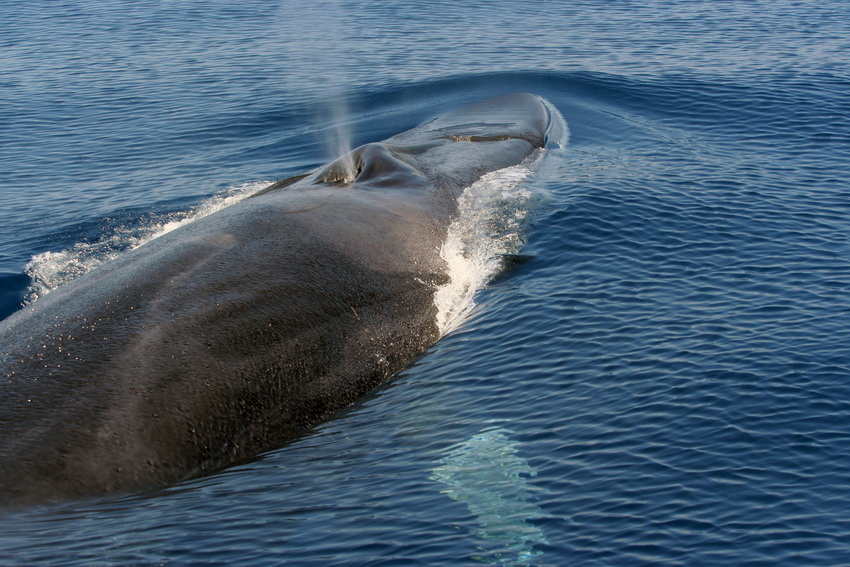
x: 235, y: 333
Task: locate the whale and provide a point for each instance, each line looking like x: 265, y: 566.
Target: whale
x: 239, y: 332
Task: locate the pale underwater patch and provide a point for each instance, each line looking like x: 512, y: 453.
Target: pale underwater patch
x: 487, y: 474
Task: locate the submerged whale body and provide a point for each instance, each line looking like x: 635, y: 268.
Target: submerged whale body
x: 235, y: 333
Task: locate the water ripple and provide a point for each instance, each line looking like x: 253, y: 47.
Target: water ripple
x: 672, y: 363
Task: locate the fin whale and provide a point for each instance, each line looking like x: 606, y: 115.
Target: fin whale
x: 240, y: 331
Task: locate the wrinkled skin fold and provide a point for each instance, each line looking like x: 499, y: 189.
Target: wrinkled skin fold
x: 236, y: 333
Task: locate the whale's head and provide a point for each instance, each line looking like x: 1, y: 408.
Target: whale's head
x: 519, y: 116
x: 460, y: 145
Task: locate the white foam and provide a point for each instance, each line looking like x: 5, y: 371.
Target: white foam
x: 558, y: 133
x: 53, y: 269
x: 489, y: 224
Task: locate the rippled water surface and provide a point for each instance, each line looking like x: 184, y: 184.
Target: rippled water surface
x: 666, y: 380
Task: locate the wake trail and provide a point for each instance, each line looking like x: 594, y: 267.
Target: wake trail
x: 51, y: 270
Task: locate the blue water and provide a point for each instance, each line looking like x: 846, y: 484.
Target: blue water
x: 666, y: 382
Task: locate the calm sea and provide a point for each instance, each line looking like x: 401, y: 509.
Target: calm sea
x: 665, y: 382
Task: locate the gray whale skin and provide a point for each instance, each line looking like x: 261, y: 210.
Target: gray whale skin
x: 240, y: 331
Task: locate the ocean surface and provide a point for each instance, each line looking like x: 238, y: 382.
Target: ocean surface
x: 666, y: 381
